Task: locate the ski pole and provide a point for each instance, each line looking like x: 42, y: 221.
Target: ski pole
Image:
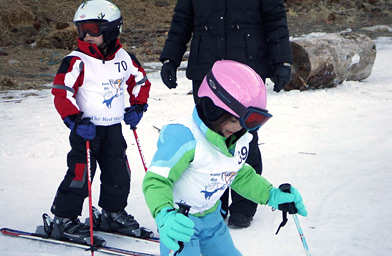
x: 301, y: 235
x: 90, y: 201
x: 286, y: 188
x: 139, y: 148
x: 184, y: 209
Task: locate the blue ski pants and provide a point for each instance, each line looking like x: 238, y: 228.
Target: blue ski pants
x: 211, y: 238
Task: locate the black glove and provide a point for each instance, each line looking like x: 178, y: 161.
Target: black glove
x: 169, y: 74
x: 82, y: 126
x: 282, y: 76
x: 134, y: 113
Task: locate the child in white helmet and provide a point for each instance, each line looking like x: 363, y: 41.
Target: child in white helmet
x: 199, y: 157
x: 89, y: 90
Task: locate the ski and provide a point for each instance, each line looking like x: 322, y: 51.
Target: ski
x: 124, y: 236
x: 44, y: 238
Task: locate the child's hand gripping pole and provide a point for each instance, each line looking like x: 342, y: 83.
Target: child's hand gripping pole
x: 184, y: 209
x: 174, y: 226
x: 291, y: 209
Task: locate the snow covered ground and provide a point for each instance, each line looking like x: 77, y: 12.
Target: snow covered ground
x: 334, y: 145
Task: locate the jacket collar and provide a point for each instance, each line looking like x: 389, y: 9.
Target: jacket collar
x: 93, y: 50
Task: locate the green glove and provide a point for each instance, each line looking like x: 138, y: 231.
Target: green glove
x: 278, y: 197
x: 173, y: 227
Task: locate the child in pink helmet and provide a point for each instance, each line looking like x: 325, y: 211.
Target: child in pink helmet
x: 200, y: 156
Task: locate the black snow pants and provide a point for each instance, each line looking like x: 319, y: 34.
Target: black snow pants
x: 108, y: 149
x: 239, y: 204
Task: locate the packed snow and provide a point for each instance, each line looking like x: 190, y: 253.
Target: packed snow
x: 334, y: 145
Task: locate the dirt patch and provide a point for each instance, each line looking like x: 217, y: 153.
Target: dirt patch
x: 36, y: 35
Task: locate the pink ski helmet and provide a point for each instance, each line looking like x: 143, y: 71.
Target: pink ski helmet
x: 239, y: 90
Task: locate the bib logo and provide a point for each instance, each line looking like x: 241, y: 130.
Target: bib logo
x: 216, y: 185
x: 114, y: 91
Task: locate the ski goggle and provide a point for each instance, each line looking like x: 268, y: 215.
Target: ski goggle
x: 254, y: 118
x: 93, y: 28
x: 251, y: 118
x: 96, y: 28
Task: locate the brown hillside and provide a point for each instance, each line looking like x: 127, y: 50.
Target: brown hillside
x: 36, y: 35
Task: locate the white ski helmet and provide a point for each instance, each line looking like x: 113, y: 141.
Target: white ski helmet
x: 237, y: 89
x: 106, y: 13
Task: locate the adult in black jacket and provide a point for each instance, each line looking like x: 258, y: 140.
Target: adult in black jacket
x: 253, y: 32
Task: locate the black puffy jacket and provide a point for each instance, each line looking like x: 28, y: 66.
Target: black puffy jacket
x: 253, y: 32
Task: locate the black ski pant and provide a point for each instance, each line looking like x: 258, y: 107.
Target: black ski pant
x: 108, y: 150
x: 239, y: 204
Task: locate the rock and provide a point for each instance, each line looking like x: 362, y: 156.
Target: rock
x: 2, y: 52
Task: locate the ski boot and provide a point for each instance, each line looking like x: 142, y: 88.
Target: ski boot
x: 70, y: 229
x: 239, y: 221
x: 120, y: 222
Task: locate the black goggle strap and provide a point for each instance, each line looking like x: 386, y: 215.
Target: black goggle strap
x: 224, y: 96
x: 110, y: 25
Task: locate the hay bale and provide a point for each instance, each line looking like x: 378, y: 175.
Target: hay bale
x: 60, y: 39
x: 7, y: 83
x: 14, y: 15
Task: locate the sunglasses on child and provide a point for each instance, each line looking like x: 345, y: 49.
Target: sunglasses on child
x: 96, y: 28
x: 251, y: 118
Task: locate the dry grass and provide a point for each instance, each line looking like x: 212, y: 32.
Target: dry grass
x: 7, y: 82
x: 59, y: 39
x: 14, y: 14
x: 35, y: 33
x: 307, y: 16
